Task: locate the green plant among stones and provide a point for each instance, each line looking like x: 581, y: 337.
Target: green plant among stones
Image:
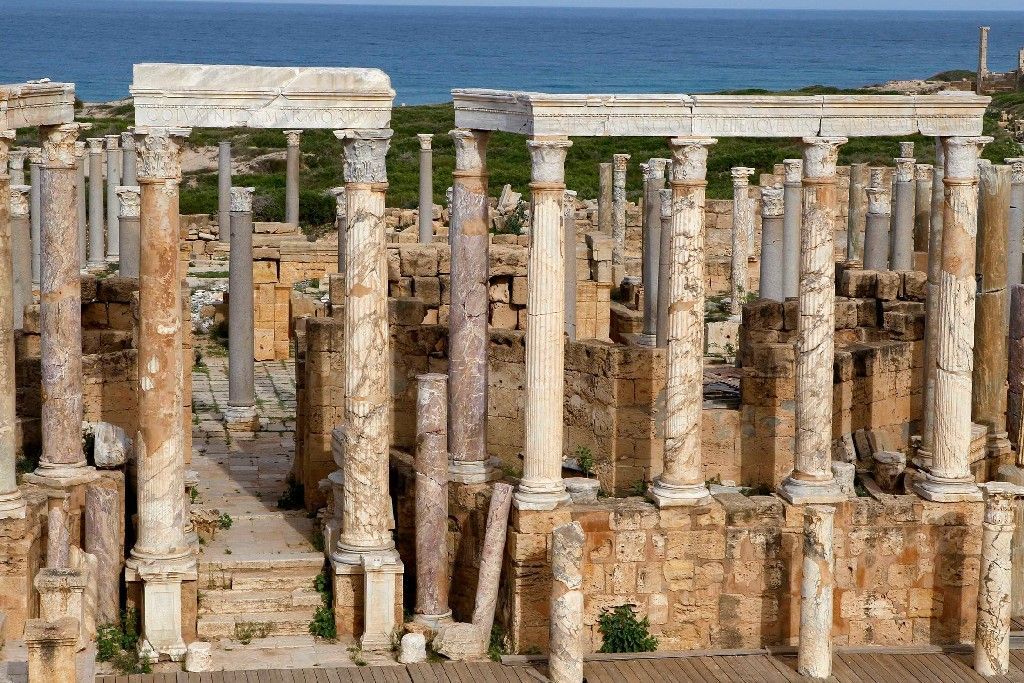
x: 498, y: 644
x: 623, y: 632
x: 246, y: 631
x: 118, y: 644
x: 515, y: 222
x: 585, y: 460
x: 225, y: 521
x: 639, y: 488
x: 323, y: 625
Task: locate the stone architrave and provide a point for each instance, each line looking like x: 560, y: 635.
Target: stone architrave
x: 620, y: 163
x: 241, y: 409
x: 541, y: 487
x: 224, y: 191
x: 682, y: 480
x: 426, y: 213
x: 52, y: 649
x: 101, y: 538
x: 569, y: 225
x: 96, y: 258
x: 664, y: 266
x: 902, y: 233
x: 129, y: 160
x: 791, y: 227
x: 129, y: 197
x: 923, y: 457
x: 605, y: 176
x: 35, y: 158
x: 1015, y: 401
x: 565, y: 663
x: 113, y: 211
x: 654, y: 183
x: 772, y: 219
x: 21, y: 251
x: 876, y: 232
x: 432, y: 500
x: 742, y: 226
x: 491, y: 558
x: 992, y: 631
x: 814, y: 653
x: 16, y: 165
x: 291, y: 188
x: 340, y: 223
x: 83, y: 204
x: 469, y: 238
x: 923, y: 174
x: 811, y: 480
x: 1016, y: 240
x: 857, y: 212
x: 949, y: 477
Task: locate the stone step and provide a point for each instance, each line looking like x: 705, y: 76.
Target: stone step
x: 260, y: 574
x: 256, y: 602
x: 293, y: 622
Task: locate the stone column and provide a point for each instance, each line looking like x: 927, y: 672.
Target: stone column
x: 12, y: 504
x: 654, y: 183
x: 664, y: 266
x: 35, y: 157
x: 876, y: 233
x: 620, y: 162
x: 129, y: 160
x: 949, y: 478
x: 492, y: 557
x: 83, y: 204
x: 992, y: 633
x: 604, y: 199
x: 467, y: 319
x: 58, y: 535
x: 791, y: 227
x: 52, y: 649
x: 565, y: 662
x: 96, y: 257
x: 902, y: 231
x: 432, y: 501
x: 21, y: 249
x: 923, y: 458
x: 742, y: 222
x: 1015, y: 400
x: 857, y: 212
x: 241, y: 410
x: 113, y: 212
x: 16, y: 165
x: 682, y: 480
x: 1016, y: 239
x: 772, y: 219
x: 814, y: 654
x: 569, y: 225
x: 982, y: 59
x: 224, y: 191
x: 811, y: 480
x: 988, y: 380
x: 291, y: 180
x: 129, y: 235
x: 102, y: 538
x: 161, y: 558
x: 340, y: 223
x: 541, y: 487
x: 426, y: 215
x: 922, y: 205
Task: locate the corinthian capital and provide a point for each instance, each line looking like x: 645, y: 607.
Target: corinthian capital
x: 904, y: 170
x: 470, y: 149
x: 159, y: 152
x: 293, y: 137
x: 128, y: 141
x: 131, y: 200
x: 690, y: 158
x: 923, y: 172
x: 241, y: 199
x: 426, y: 140
x: 620, y: 162
x: 20, y: 200
x: 95, y: 145
x: 794, y: 170
x: 59, y: 145
x: 6, y: 138
x: 1016, y: 169
x: 548, y: 159
x: 821, y: 154
x: 999, y: 499
x: 79, y: 151
x: 772, y: 201
x: 113, y: 142
x: 878, y: 201
x: 340, y: 201
x: 741, y: 175
x: 365, y: 154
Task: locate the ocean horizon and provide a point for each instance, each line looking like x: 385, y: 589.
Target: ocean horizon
x: 428, y: 50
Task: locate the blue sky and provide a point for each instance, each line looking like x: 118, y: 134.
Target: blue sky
x: 961, y: 5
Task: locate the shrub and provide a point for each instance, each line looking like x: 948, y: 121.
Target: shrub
x: 323, y: 625
x: 623, y: 632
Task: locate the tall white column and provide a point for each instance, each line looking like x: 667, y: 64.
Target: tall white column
x: 664, y: 265
x: 654, y: 182
x: 902, y: 232
x: 949, y: 477
x: 96, y: 258
x: 113, y: 211
x: 923, y: 458
x: 992, y: 630
x: 129, y: 231
x: 791, y: 227
x: 83, y: 204
x: 224, y: 191
x: 1013, y: 254
x: 21, y: 250
x: 426, y: 214
x: 340, y: 223
x: 876, y: 231
x: 291, y: 179
x: 682, y: 480
x: 979, y: 82
x: 772, y: 218
x: 814, y: 654
x: 620, y: 163
x: 541, y: 487
x: 811, y: 480
x: 35, y: 158
x: 857, y: 212
x: 742, y: 226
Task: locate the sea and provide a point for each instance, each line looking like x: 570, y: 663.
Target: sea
x: 427, y: 51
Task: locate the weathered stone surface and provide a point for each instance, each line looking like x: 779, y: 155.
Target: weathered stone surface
x: 198, y: 657
x: 814, y: 654
x: 432, y: 500
x: 565, y: 662
x: 52, y: 648
x: 459, y: 641
x: 101, y: 538
x: 111, y: 446
x: 413, y: 649
x: 492, y: 558
x: 992, y: 636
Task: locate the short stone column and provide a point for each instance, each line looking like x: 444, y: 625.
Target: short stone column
x: 102, y: 538
x: 992, y: 632
x: 565, y: 662
x: 83, y: 204
x: 113, y: 212
x: 52, y: 649
x: 432, y: 500
x: 224, y: 191
x: 16, y: 165
x: 923, y: 456
x: 620, y: 164
x: 129, y: 232
x: 814, y: 653
x: 876, y: 233
x: 856, y: 220
x: 922, y: 205
x: 772, y: 219
x: 541, y: 487
x: 21, y: 250
x: 161, y: 558
x: 791, y: 227
x: 1013, y: 254
x: 426, y: 214
x: 96, y: 257
x: 129, y: 160
x: 468, y: 237
x: 902, y: 232
x: 291, y: 178
x: 605, y: 181
x: 569, y: 225
x: 742, y: 226
x: 811, y: 480
x: 240, y: 414
x: 681, y: 482
x: 35, y: 158
x: 492, y: 557
x: 654, y: 183
x: 949, y: 477
x: 664, y: 266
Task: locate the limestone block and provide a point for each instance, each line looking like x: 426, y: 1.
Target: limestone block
x: 52, y: 648
x: 111, y: 446
x: 198, y: 657
x: 888, y: 285
x: 413, y: 649
x: 459, y: 642
x: 418, y: 260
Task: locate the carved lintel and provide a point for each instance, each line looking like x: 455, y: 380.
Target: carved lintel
x: 59, y: 145
x: 241, y: 199
x: 690, y: 158
x: 131, y: 200
x: 365, y: 152
x: 470, y: 150
x: 159, y: 152
x: 548, y: 159
x: 772, y: 205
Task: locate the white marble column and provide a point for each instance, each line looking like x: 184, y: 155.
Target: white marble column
x: 772, y: 219
x: 811, y: 480
x: 129, y: 230
x: 604, y: 199
x: 654, y: 182
x: 291, y: 178
x: 791, y: 227
x: 923, y: 456
x: 541, y: 487
x: 902, y: 233
x: 129, y: 160
x: 922, y: 205
x: 992, y: 630
x: 224, y: 191
x: 161, y: 558
x: 426, y: 214
x: 949, y: 477
x: 240, y: 414
x: 83, y: 204
x: 569, y: 225
x: 96, y: 258
x: 620, y: 163
x: 35, y: 158
x: 814, y: 653
x: 664, y: 265
x: 682, y: 480
x: 21, y: 249
x: 432, y: 500
x: 876, y: 232
x: 1013, y: 255
x: 857, y: 212
x: 742, y: 226
x: 113, y: 211
x: 565, y: 662
x: 16, y: 165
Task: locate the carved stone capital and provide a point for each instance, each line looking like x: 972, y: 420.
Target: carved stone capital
x: 794, y: 170
x: 35, y: 155
x: 904, y: 172
x: 6, y: 138
x: 878, y: 201
x: 80, y: 150
x: 620, y: 162
x: 426, y: 140
x: 666, y: 203
x: 113, y: 142
x: 95, y: 145
x: 962, y: 155
x: 656, y: 168
x: 340, y: 205
x: 906, y: 150
x: 293, y: 137
x: 128, y: 141
x: 1016, y: 169
x: 130, y: 200
x: 924, y: 173
x: 690, y: 158
x: 241, y: 199
x: 17, y: 156
x: 365, y: 152
x: 772, y: 201
x: 160, y: 152
x: 470, y: 149
x: 20, y: 200
x: 821, y: 154
x: 59, y: 145
x: 548, y: 159
x: 876, y: 176
x: 999, y: 498
x: 741, y: 175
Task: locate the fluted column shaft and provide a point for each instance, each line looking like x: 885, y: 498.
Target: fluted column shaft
x: 814, y: 653
x: 742, y: 226
x: 992, y: 629
x: 21, y: 250
x: 113, y: 211
x: 432, y: 500
x: 654, y: 182
x: 772, y: 219
x: 96, y: 257
x: 565, y: 664
x: 903, y: 192
x: 241, y: 409
x: 876, y: 233
x: 129, y: 231
x: 1013, y: 254
x: 293, y: 161
x: 426, y: 214
x: 791, y: 227
x: 224, y: 191
x: 923, y: 174
x: 35, y: 157
x: 620, y: 162
x: 857, y: 212
x: 931, y: 308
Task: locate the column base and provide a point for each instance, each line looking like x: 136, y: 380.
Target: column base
x: 666, y: 495
x: 12, y: 505
x: 474, y: 471
x: 921, y: 459
x: 62, y: 476
x: 381, y: 574
x: 434, y: 621
x: 241, y: 418
x: 998, y: 445
x: 943, y: 490
x: 96, y: 265
x: 349, y: 556
x: 542, y: 500
x: 810, y: 492
x: 161, y: 633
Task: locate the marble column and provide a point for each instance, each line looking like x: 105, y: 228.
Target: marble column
x: 432, y: 500
x: 291, y: 179
x: 161, y: 557
x: 83, y: 204
x: 654, y: 183
x: 492, y: 557
x: 340, y: 223
x: 681, y: 482
x: 988, y: 379
x: 35, y: 158
x: 241, y: 409
x: 923, y: 457
x: 772, y: 219
x: 569, y: 225
x: 857, y: 212
x: 58, y: 535
x: 129, y: 160
x: 541, y: 487
x: 101, y: 537
x: 664, y: 265
x: 922, y: 205
x: 129, y: 232
x: 426, y: 214
x: 96, y: 258
x: 876, y: 233
x: 742, y: 222
x: 565, y: 662
x: 1015, y: 399
x: 811, y: 480
x: 949, y: 477
x: 16, y: 165
x: 604, y: 198
x: 1013, y: 254
x: 224, y: 191
x: 21, y: 250
x: 814, y: 653
x: 467, y: 318
x: 12, y: 504
x: 791, y: 227
x: 992, y: 630
x: 113, y: 212
x: 620, y: 163
x: 901, y: 234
